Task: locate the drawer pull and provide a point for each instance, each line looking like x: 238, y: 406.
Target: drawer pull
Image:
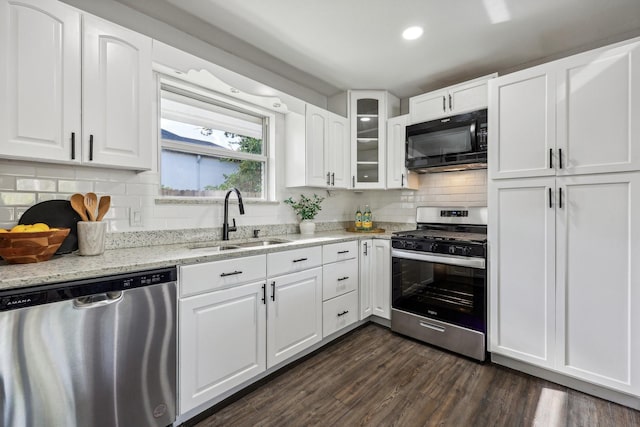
x: 300, y: 259
x: 431, y: 326
x: 343, y: 313
x: 233, y: 273
x: 342, y: 252
x: 340, y: 279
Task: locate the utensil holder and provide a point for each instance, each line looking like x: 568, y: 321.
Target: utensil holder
x: 91, y: 236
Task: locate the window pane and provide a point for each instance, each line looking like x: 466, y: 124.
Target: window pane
x: 187, y: 174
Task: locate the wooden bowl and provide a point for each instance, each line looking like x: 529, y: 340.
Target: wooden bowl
x: 27, y: 247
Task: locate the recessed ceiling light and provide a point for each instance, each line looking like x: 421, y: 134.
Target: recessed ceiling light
x: 412, y: 33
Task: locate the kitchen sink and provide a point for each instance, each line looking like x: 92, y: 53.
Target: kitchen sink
x: 260, y: 243
x: 253, y: 244
x: 213, y: 248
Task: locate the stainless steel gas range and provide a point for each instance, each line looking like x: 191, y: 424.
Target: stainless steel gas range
x: 439, y: 286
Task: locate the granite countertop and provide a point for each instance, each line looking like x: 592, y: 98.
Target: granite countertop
x: 72, y: 266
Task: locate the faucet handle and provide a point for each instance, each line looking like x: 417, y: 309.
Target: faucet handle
x: 256, y: 231
x: 233, y: 227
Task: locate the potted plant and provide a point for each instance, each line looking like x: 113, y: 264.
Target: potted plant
x: 306, y: 208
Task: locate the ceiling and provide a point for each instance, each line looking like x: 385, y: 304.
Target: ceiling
x: 333, y: 45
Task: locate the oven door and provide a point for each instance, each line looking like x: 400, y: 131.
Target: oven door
x: 443, y: 287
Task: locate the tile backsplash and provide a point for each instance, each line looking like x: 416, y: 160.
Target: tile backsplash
x: 23, y: 184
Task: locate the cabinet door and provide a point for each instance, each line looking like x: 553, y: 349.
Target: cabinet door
x: 222, y: 342
x: 39, y: 80
x: 598, y: 280
x: 117, y: 91
x: 522, y: 124
x: 598, y: 110
x: 294, y: 315
x: 468, y: 97
x: 397, y: 174
x: 368, y: 135
x: 381, y: 278
x: 337, y: 151
x: 317, y: 127
x: 522, y: 276
x: 366, y: 296
x: 428, y: 106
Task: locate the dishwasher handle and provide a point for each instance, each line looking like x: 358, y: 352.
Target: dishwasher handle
x: 97, y: 300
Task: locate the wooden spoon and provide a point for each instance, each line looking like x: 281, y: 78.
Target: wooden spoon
x: 77, y: 203
x: 103, y: 207
x: 90, y: 203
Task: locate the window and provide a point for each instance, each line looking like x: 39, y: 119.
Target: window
x: 209, y: 147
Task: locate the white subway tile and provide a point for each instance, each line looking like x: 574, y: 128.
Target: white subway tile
x: 141, y: 189
x: 110, y: 188
x: 55, y: 171
x: 52, y: 196
x: 33, y: 184
x: 11, y: 167
x: 75, y: 186
x: 7, y: 182
x: 7, y: 215
x: 17, y: 199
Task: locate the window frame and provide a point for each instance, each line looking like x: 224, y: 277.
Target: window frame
x: 208, y: 96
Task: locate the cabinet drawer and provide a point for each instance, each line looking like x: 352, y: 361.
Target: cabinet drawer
x: 199, y: 278
x: 295, y: 260
x: 339, y: 251
x: 339, y: 278
x: 339, y: 312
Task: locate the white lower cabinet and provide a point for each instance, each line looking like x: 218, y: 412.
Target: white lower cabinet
x: 375, y: 278
x: 340, y: 286
x: 565, y: 276
x: 221, y: 332
x: 294, y: 314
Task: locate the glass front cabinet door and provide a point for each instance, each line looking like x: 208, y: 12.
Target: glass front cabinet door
x: 369, y: 111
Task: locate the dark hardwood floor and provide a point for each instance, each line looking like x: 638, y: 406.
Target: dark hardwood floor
x: 373, y: 377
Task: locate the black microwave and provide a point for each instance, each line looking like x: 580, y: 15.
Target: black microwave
x: 448, y: 144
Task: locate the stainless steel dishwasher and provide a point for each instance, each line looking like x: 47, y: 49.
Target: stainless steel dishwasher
x: 98, y: 352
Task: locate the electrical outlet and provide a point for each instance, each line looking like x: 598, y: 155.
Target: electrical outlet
x: 135, y: 217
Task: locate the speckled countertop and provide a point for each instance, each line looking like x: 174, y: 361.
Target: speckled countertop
x: 63, y: 268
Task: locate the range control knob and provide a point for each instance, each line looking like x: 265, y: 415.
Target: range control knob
x: 410, y: 244
x: 433, y: 247
x: 466, y: 250
x: 452, y: 249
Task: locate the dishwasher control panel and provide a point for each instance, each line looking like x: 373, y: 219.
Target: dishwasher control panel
x: 21, y: 298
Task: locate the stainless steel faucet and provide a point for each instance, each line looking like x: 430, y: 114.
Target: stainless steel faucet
x: 225, y: 226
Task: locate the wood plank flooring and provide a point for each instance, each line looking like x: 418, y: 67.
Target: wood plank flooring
x: 373, y: 377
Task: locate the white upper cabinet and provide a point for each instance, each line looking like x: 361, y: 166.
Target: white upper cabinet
x: 39, y: 80
x: 577, y: 115
x: 458, y: 99
x: 117, y: 92
x: 369, y: 111
x: 598, y: 111
x: 55, y: 99
x: 317, y: 149
x: 522, y: 124
x: 397, y: 174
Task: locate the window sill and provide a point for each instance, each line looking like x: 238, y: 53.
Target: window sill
x: 208, y: 201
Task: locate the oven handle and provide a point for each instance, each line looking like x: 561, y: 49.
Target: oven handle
x: 440, y: 259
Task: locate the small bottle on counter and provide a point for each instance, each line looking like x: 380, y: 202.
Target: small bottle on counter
x: 367, y: 218
x: 358, y: 222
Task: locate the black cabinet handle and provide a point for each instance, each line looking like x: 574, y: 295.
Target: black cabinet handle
x: 550, y: 203
x: 343, y: 313
x: 450, y: 103
x: 73, y: 145
x: 333, y: 178
x: 233, y: 273
x: 342, y: 252
x: 90, y: 148
x: 300, y: 259
x: 560, y: 157
x: 353, y: 181
x: 365, y: 248
x: 340, y: 279
x: 402, y: 180
x: 550, y: 158
x: 264, y: 293
x: 444, y: 104
x: 273, y: 291
x: 328, y: 175
x: 560, y: 197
